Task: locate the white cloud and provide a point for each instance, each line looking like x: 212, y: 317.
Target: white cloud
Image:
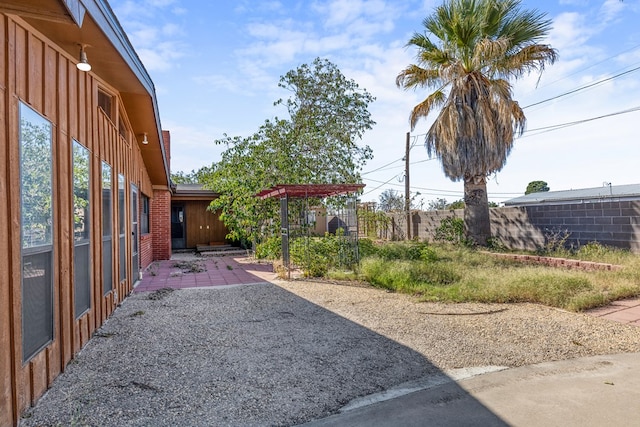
x: 153, y: 32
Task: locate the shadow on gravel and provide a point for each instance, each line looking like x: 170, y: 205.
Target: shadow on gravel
x: 244, y: 356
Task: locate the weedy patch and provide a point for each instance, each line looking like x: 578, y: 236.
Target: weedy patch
x: 229, y: 267
x: 160, y: 294
x: 153, y: 268
x: 137, y: 313
x: 190, y: 266
x: 101, y: 334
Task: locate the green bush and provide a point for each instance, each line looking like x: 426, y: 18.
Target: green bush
x: 311, y: 255
x: 366, y: 248
x: 451, y: 230
x: 271, y: 248
x: 408, y: 276
x: 428, y: 254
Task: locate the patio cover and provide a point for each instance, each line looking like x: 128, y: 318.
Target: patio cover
x: 309, y: 190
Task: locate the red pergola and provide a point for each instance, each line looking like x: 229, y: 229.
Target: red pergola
x: 309, y: 190
x: 299, y: 191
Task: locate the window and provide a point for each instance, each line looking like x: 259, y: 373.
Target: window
x: 107, y: 227
x: 81, y: 229
x: 144, y: 214
x: 121, y: 228
x: 105, y: 102
x: 122, y: 129
x: 36, y: 212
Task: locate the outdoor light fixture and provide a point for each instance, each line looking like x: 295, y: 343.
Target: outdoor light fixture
x: 83, y: 64
x: 145, y: 141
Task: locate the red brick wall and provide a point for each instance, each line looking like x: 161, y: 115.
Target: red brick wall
x: 160, y: 224
x: 146, y: 250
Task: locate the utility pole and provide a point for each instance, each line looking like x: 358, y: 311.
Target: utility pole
x: 407, y: 195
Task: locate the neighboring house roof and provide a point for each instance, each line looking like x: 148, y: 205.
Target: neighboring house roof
x: 584, y: 195
x: 193, y: 192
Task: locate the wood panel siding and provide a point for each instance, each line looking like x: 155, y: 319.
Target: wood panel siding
x: 6, y: 396
x: 37, y: 72
x: 203, y: 227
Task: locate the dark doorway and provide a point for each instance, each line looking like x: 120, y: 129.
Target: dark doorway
x: 178, y: 234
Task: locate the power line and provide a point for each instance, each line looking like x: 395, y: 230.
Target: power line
x: 577, y: 122
x: 583, y: 87
x: 447, y: 192
x: 592, y: 65
x: 383, y: 183
x: 383, y: 166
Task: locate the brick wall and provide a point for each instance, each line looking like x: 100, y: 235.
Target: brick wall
x: 146, y: 250
x: 527, y: 228
x: 160, y: 224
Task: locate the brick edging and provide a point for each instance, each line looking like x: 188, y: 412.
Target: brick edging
x: 573, y: 264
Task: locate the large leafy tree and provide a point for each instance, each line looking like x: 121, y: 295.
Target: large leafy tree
x: 468, y: 55
x: 536, y: 187
x: 318, y: 143
x: 391, y: 201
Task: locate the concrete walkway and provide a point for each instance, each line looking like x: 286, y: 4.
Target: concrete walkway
x: 624, y: 311
x: 591, y: 391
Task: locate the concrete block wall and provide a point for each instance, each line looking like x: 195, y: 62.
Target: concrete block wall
x: 161, y: 223
x: 615, y: 223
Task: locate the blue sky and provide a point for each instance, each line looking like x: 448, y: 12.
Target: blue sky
x: 216, y: 65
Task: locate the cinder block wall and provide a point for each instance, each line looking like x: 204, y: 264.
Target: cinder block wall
x: 527, y: 228
x: 610, y: 223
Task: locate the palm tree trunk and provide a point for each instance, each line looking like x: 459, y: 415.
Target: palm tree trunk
x: 476, y: 210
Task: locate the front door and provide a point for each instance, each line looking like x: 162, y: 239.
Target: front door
x: 135, y: 262
x: 178, y: 235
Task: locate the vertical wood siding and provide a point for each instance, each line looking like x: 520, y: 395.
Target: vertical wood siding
x: 35, y: 71
x: 6, y: 395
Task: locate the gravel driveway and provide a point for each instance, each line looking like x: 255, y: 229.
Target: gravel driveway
x: 290, y: 352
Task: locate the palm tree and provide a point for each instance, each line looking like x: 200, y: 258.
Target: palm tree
x: 468, y: 54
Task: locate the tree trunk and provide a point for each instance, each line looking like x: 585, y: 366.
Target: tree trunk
x: 476, y: 210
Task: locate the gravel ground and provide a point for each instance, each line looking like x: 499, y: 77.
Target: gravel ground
x: 286, y: 353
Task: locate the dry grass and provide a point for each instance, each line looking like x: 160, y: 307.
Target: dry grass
x: 455, y: 274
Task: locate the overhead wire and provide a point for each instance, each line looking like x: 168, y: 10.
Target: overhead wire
x: 581, y: 88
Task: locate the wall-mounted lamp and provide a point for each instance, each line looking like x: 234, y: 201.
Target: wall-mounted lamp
x: 145, y: 141
x: 83, y: 63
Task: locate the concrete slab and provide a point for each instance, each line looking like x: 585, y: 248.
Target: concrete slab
x: 592, y: 391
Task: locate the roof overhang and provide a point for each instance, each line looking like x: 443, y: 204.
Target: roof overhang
x: 69, y: 23
x: 309, y: 190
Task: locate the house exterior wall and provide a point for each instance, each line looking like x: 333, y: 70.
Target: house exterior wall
x: 614, y: 224
x: 36, y: 72
x: 161, y: 223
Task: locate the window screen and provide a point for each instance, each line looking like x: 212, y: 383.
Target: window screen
x: 36, y: 217
x: 144, y: 214
x: 107, y: 227
x: 81, y: 229
x: 121, y: 228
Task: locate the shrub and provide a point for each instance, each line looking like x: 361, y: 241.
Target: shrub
x: 428, y: 254
x: 271, y: 248
x: 311, y: 255
x: 451, y: 230
x: 366, y: 248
